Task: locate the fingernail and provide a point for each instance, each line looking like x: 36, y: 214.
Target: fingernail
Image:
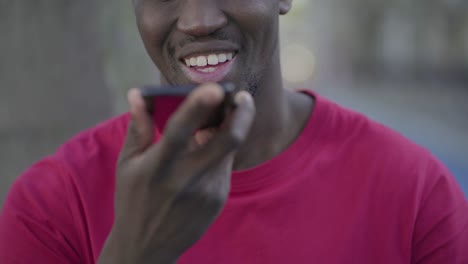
x: 242, y: 96
x: 209, y: 93
x: 134, y: 98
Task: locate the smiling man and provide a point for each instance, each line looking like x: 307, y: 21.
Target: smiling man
x: 289, y: 177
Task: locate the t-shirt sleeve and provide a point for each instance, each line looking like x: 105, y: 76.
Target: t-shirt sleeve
x: 36, y: 225
x: 441, y: 228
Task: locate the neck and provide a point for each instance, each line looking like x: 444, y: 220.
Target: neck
x: 280, y: 117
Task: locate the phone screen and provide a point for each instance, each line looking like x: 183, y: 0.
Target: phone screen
x: 163, y: 101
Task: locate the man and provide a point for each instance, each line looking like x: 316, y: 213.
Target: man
x: 289, y: 177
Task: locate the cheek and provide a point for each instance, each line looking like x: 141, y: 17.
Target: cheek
x: 154, y: 28
x: 259, y: 18
x: 258, y: 21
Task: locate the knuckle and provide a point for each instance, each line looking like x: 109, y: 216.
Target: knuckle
x: 214, y: 199
x: 204, y: 196
x: 217, y: 189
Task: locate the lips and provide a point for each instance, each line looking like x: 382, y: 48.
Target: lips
x: 207, y: 61
x: 213, y: 67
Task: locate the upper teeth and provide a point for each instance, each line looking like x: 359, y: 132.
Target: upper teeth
x: 211, y: 59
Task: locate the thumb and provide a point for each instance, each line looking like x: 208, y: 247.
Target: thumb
x: 140, y: 129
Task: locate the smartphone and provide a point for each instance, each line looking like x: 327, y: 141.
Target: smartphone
x: 163, y: 101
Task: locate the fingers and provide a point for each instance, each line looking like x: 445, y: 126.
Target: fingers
x: 140, y: 129
x: 239, y: 126
x: 232, y: 135
x: 199, y: 106
x: 211, y: 164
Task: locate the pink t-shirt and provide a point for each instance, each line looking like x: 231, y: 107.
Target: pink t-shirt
x: 348, y: 190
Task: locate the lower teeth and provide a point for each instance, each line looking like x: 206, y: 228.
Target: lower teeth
x: 207, y: 70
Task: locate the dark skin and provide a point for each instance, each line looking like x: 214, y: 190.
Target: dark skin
x: 169, y: 193
x: 252, y: 26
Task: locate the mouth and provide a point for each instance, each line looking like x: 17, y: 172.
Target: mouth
x: 209, y: 67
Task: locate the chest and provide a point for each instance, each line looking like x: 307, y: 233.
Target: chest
x: 299, y: 223
x: 295, y: 229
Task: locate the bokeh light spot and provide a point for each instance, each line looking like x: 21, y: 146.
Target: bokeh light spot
x: 298, y: 63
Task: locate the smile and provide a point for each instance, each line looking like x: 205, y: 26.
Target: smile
x: 212, y: 67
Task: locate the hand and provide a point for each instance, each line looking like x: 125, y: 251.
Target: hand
x: 168, y: 194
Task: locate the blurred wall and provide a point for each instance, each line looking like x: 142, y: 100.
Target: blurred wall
x: 51, y: 78
x: 60, y: 73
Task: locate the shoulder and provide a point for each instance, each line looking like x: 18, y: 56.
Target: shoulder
x: 84, y: 166
x: 49, y: 199
x: 106, y: 137
x: 365, y: 139
x: 380, y: 154
x: 402, y: 180
x: 90, y: 146
x: 88, y: 150
x: 88, y: 159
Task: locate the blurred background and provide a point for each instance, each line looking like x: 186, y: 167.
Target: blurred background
x: 66, y: 65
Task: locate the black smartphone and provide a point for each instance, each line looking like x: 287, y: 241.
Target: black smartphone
x: 163, y: 101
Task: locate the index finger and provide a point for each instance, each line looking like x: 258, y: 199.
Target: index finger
x: 193, y: 113
x: 232, y: 135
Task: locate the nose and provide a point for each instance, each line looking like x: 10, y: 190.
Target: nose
x: 201, y: 17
